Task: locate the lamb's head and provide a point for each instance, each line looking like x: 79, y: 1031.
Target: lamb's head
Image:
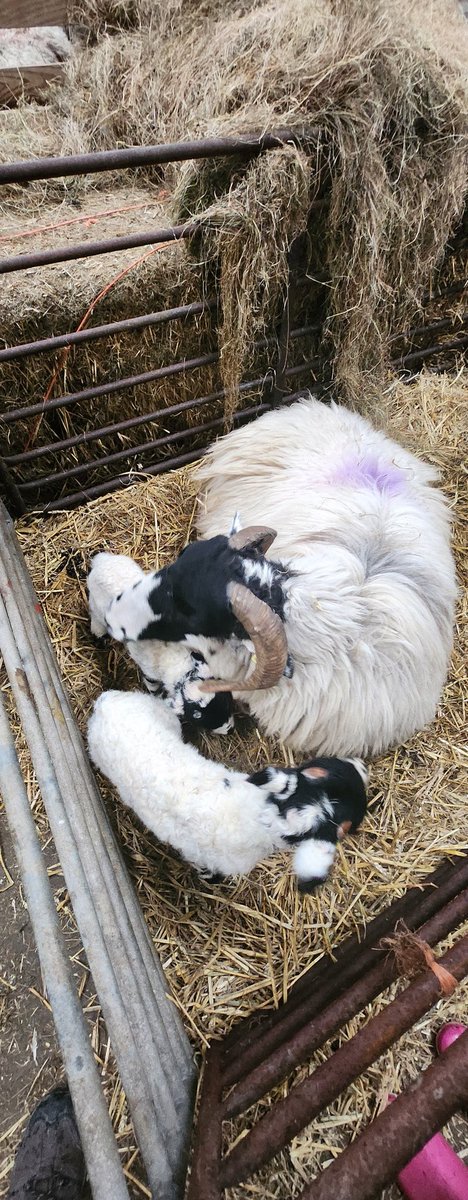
x: 319, y: 802
x: 215, y: 588
x: 214, y: 713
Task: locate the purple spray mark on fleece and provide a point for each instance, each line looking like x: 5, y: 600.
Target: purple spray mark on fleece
x: 369, y: 472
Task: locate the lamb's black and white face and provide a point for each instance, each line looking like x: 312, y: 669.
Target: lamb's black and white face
x: 341, y: 780
x: 319, y: 802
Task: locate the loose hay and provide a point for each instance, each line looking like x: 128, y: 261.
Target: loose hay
x: 231, y: 949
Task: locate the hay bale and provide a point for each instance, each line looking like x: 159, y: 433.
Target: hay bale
x: 383, y: 89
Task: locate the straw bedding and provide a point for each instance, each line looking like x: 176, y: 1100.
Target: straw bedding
x: 231, y: 949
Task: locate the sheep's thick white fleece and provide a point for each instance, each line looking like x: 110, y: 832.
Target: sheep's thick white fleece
x: 135, y: 740
x: 369, y: 616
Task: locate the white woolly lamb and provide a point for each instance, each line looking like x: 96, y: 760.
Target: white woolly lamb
x: 221, y: 821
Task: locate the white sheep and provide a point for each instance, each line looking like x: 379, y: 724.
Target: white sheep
x: 172, y: 667
x: 369, y: 585
x: 222, y: 822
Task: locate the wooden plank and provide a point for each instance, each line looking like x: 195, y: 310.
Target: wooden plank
x: 28, y: 81
x: 21, y: 14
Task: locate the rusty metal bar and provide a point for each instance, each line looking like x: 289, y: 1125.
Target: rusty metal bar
x: 380, y: 1152
x: 297, y: 1048
x: 72, y: 499
x: 107, y: 389
x: 307, y: 1099
x: 131, y: 451
x: 79, y: 439
x: 249, y: 1045
x: 25, y: 349
x: 44, y: 258
x: 206, y: 1164
x: 418, y: 356
x: 125, y: 480
x: 61, y: 341
x: 147, y: 156
x: 433, y: 327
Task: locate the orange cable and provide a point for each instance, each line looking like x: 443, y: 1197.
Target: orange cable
x: 88, y: 219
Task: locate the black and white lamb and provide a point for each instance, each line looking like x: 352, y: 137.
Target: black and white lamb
x: 171, y: 669
x: 223, y: 822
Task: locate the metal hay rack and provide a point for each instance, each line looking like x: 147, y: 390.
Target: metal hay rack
x: 26, y: 485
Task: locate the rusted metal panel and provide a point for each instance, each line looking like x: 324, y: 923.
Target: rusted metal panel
x: 286, y: 1118
x: 380, y: 1152
x: 133, y: 451
x: 107, y: 389
x: 273, y: 387
x: 250, y: 1043
x: 312, y: 1034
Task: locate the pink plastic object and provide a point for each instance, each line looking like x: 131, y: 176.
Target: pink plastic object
x: 448, y: 1034
x: 435, y: 1173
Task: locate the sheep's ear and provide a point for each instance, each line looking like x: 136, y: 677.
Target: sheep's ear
x: 236, y: 524
x: 315, y: 772
x: 261, y: 778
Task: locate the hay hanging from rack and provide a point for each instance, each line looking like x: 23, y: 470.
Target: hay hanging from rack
x: 259, y: 217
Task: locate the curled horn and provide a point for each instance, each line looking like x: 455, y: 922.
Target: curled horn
x: 253, y: 537
x: 267, y: 633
